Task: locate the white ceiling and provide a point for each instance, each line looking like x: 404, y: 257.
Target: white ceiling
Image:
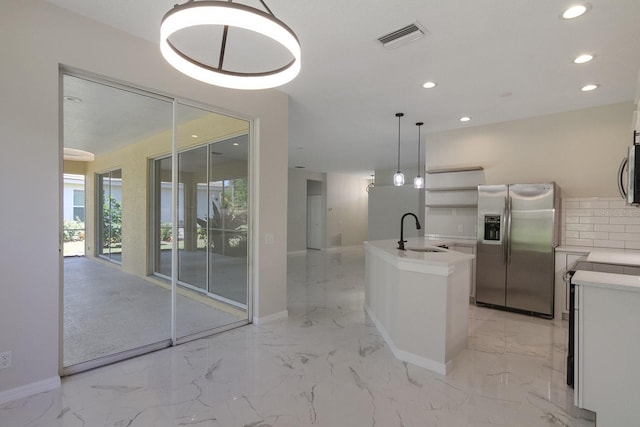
x: 493, y: 60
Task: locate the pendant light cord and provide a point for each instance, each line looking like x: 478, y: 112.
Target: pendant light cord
x: 399, y: 115
x: 419, y: 124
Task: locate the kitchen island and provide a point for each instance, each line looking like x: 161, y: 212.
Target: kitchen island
x: 419, y: 300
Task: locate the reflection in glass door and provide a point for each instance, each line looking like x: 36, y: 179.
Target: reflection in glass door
x: 111, y: 311
x: 110, y: 215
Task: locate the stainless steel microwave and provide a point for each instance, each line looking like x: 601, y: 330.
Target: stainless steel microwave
x: 632, y: 182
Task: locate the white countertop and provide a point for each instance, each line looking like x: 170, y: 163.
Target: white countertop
x: 597, y: 279
x: 615, y: 256
x: 440, y: 262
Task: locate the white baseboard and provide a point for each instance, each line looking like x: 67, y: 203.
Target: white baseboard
x: 302, y: 252
x: 29, y: 390
x: 405, y: 356
x: 270, y: 318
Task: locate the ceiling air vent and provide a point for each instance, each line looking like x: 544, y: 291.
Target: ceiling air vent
x: 403, y: 36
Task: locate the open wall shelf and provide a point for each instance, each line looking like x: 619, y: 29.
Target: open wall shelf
x: 454, y: 187
x: 453, y: 170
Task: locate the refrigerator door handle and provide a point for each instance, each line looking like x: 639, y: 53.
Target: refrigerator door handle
x: 505, y: 237
x: 508, y: 235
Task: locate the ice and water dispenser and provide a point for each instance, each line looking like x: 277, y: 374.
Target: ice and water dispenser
x: 492, y: 230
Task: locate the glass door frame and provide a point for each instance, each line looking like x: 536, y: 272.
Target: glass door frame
x: 252, y: 172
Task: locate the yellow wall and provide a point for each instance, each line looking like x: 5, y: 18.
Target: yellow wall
x: 75, y: 167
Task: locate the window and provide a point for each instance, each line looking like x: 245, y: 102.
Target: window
x: 78, y: 205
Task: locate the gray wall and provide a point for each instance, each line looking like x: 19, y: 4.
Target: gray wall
x: 43, y: 36
x: 387, y: 204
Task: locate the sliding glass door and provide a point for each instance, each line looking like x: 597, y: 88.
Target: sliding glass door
x: 169, y: 183
x: 213, y: 220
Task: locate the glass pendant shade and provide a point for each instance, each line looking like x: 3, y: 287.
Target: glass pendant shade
x: 418, y: 182
x: 398, y: 179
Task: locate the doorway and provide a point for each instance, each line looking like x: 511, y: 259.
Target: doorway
x: 315, y: 215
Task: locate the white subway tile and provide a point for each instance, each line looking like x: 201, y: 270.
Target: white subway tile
x: 612, y: 228
x: 579, y: 227
x: 625, y: 236
x: 618, y: 203
x: 632, y: 228
x: 594, y: 219
x: 572, y: 219
x: 624, y: 220
x: 602, y: 235
x: 609, y: 243
x: 601, y: 212
x: 571, y: 234
x: 580, y: 212
x: 570, y: 204
x: 594, y: 204
x: 579, y: 242
x: 632, y: 245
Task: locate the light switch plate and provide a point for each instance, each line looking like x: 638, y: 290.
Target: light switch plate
x: 5, y: 359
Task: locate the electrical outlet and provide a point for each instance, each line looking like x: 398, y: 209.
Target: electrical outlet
x: 5, y: 359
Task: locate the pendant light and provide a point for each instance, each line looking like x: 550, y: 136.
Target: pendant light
x: 227, y: 15
x: 398, y: 177
x: 418, y: 181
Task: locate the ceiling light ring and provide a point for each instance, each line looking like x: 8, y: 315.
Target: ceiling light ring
x: 222, y: 13
x: 227, y: 72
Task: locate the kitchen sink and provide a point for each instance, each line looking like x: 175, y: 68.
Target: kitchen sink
x: 427, y: 249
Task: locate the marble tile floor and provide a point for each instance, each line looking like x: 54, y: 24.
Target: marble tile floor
x: 326, y: 365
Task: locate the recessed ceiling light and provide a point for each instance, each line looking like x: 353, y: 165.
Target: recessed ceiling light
x: 465, y: 119
x: 429, y: 85
x: 575, y: 11
x: 236, y: 144
x: 72, y: 99
x: 583, y: 58
x: 589, y: 87
x: 194, y: 136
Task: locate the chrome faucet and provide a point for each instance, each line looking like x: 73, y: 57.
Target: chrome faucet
x: 401, y: 242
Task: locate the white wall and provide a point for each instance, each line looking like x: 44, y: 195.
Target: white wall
x: 347, y: 205
x: 37, y: 37
x: 579, y: 150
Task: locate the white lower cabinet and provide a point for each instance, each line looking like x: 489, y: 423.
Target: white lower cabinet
x: 468, y: 249
x: 607, y: 348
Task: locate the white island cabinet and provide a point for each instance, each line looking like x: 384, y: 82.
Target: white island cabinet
x: 419, y: 300
x: 607, y: 362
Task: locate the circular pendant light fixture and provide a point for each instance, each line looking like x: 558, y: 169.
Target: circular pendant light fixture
x: 227, y: 14
x: 398, y: 177
x: 418, y: 181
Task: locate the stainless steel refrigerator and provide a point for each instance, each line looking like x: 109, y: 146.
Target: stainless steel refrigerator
x: 517, y: 234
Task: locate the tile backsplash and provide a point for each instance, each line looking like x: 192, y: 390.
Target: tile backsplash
x: 599, y: 222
